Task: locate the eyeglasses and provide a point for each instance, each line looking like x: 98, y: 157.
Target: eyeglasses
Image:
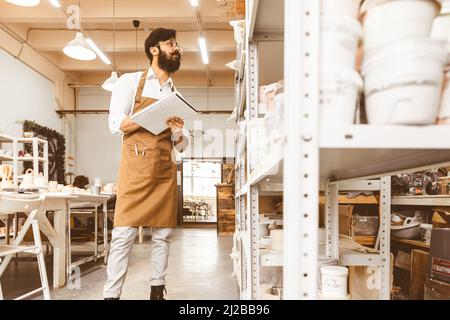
x: 172, y: 44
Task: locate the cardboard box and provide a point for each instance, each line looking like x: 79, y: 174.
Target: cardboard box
x: 437, y: 290
x: 419, y: 259
x: 439, y: 258
x: 345, y: 218
x: 365, y: 282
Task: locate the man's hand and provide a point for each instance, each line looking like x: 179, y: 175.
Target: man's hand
x: 175, y: 124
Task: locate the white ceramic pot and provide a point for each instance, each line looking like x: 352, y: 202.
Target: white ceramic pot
x: 339, y: 40
x: 323, y: 262
x: 403, y: 81
x: 276, y: 239
x: 40, y: 181
x: 444, y: 112
x: 334, y: 281
x: 394, y: 20
x: 441, y: 27
x: 263, y: 229
x: 339, y: 91
x: 341, y: 7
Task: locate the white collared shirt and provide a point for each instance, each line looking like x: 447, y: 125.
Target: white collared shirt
x: 122, y: 98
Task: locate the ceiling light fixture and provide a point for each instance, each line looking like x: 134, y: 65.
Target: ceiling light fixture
x: 194, y: 3
x: 97, y: 50
x: 79, y: 49
x: 203, y: 50
x: 55, y: 3
x: 24, y: 3
x: 109, y: 84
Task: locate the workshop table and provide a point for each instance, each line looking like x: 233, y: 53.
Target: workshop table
x: 58, y: 233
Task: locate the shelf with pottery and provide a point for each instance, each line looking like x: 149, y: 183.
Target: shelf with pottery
x: 6, y: 158
x: 369, y: 151
x: 270, y: 167
x: 349, y: 258
x: 40, y: 159
x: 265, y: 17
x: 360, y: 199
x: 31, y: 140
x: 422, y: 200
x: 6, y: 139
x: 270, y: 258
x: 415, y: 243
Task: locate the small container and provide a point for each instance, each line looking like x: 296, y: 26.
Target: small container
x: 365, y: 225
x: 425, y: 231
x: 95, y: 190
x: 334, y: 281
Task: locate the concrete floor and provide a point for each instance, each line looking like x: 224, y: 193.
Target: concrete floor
x: 200, y: 268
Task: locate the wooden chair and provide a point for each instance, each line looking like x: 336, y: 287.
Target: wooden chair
x: 9, y: 205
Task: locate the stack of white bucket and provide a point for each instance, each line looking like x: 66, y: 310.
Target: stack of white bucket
x: 332, y: 279
x: 402, y: 66
x: 441, y: 30
x: 340, y: 83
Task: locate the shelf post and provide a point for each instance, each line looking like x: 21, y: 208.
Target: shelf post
x: 254, y: 238
x: 301, y: 164
x: 385, y: 238
x: 15, y: 163
x: 45, y: 163
x: 332, y: 220
x: 35, y: 158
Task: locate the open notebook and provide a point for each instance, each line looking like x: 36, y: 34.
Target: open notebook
x: 154, y: 117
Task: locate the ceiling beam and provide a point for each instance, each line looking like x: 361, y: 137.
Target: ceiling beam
x: 182, y: 79
x: 95, y: 11
x: 55, y: 40
x: 127, y: 62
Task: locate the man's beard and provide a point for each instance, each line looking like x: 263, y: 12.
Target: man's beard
x: 169, y: 62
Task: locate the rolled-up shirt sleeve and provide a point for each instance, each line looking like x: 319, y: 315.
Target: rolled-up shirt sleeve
x: 121, y: 102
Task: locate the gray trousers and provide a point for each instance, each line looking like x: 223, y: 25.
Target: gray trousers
x: 121, y: 244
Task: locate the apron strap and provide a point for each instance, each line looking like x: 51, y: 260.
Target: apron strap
x: 140, y: 88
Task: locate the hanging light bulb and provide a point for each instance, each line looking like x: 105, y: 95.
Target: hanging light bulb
x: 25, y: 3
x: 109, y: 83
x: 79, y: 49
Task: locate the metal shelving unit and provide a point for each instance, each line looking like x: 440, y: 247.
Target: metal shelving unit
x: 341, y: 158
x: 35, y: 158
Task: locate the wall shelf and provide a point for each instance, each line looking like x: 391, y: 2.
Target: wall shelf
x: 425, y: 200
x: 354, y: 258
x: 370, y: 151
x: 5, y: 139
x: 415, y: 243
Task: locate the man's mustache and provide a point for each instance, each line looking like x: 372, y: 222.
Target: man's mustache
x: 176, y: 55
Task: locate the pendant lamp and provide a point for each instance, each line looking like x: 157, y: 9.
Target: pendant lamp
x: 109, y: 83
x: 79, y: 49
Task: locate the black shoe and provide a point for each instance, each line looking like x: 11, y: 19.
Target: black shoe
x: 111, y: 299
x: 157, y: 292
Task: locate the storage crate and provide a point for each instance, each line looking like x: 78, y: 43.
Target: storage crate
x: 365, y: 225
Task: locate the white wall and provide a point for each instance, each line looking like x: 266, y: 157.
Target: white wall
x: 24, y: 95
x: 98, y: 151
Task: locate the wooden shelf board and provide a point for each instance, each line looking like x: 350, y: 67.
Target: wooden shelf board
x: 361, y: 199
x: 416, y: 243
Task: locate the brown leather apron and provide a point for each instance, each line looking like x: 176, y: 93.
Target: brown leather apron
x: 147, y: 183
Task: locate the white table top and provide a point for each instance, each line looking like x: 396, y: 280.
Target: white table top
x: 58, y: 195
